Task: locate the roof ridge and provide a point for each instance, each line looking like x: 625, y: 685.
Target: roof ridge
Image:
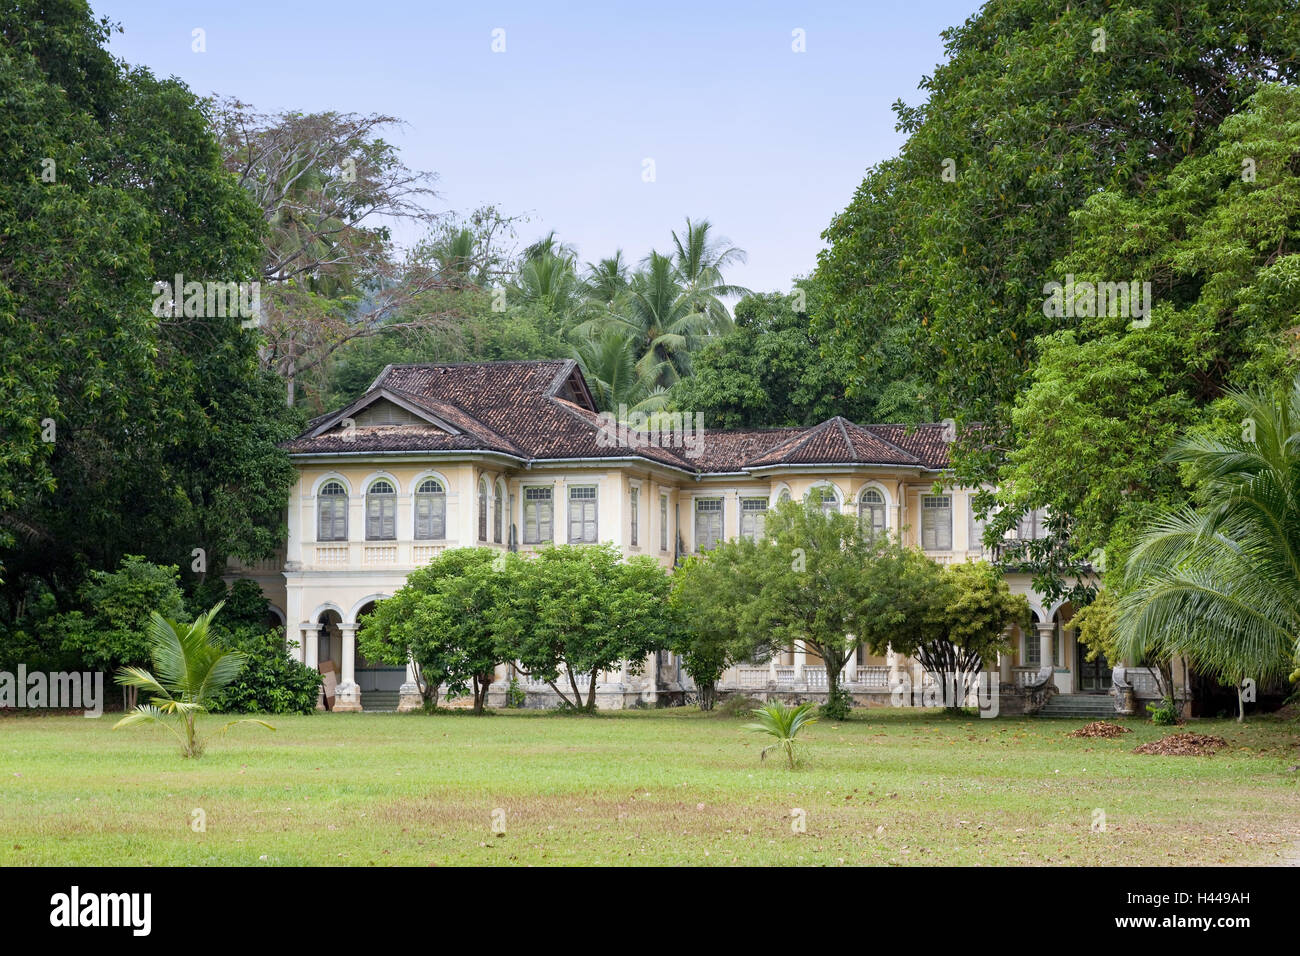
x: 899, y: 448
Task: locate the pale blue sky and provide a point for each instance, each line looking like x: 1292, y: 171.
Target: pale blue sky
x: 765, y: 142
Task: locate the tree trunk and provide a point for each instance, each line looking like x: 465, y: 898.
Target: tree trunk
x: 1241, y: 705
x: 591, y: 693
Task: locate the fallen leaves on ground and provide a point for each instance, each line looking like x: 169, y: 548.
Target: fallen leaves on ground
x: 1183, y: 745
x: 1100, y: 728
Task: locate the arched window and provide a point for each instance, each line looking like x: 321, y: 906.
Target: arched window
x: 783, y: 496
x: 499, y: 512
x: 823, y: 497
x: 332, y: 512
x: 482, y: 509
x: 381, y: 511
x: 871, y: 512
x: 431, y: 510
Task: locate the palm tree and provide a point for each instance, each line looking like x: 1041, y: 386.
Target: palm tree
x: 1220, y: 583
x: 608, y: 356
x: 606, y: 280
x: 191, y: 670
x: 662, y: 318
x: 783, y: 723
x: 547, y: 278
x: 700, y: 259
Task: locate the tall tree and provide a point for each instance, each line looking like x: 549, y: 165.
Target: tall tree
x: 126, y: 432
x: 1039, y: 105
x: 701, y: 257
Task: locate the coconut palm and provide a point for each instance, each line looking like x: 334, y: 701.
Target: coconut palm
x: 1220, y: 582
x: 700, y: 258
x: 191, y: 670
x: 608, y: 356
x: 783, y: 723
x: 661, y: 317
x: 606, y: 280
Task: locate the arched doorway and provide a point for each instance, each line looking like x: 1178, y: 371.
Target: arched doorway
x: 1090, y: 677
x: 380, y: 684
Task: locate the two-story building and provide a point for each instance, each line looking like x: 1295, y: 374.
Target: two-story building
x: 515, y: 455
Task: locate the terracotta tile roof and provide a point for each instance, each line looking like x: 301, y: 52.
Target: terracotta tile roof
x: 538, y: 411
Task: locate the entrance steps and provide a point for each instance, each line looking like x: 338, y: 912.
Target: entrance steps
x: 1075, y: 706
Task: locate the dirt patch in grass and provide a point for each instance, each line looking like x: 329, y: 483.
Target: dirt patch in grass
x: 1183, y: 745
x: 1100, y: 728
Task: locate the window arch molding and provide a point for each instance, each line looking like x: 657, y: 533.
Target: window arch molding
x: 873, y: 504
x: 820, y: 488
x: 324, y: 479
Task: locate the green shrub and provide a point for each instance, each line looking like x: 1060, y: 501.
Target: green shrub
x: 271, y: 682
x: 1164, y: 713
x: 516, y: 696
x: 838, y: 705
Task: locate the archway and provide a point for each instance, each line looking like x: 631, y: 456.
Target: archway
x: 380, y: 684
x: 1090, y: 677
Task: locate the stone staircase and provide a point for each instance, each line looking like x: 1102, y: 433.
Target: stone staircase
x: 379, y: 700
x: 1079, y: 706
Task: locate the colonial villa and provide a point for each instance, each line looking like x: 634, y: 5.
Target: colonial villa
x: 514, y: 455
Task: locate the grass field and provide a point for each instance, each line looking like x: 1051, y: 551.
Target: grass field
x: 659, y: 787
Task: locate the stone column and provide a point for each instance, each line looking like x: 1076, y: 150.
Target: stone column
x: 1004, y: 668
x: 1046, y: 649
x: 410, y: 698
x: 347, y: 697
x: 894, y: 663
x: 299, y: 653
x: 650, y: 692
x: 309, y: 654
x: 800, y: 661
x: 851, y: 667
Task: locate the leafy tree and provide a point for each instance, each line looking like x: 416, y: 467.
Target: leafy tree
x: 949, y: 243
x: 961, y: 625
x: 443, y: 619
x: 1217, y: 238
x: 769, y: 370
x: 804, y: 583
x: 112, y: 630
x: 608, y: 357
x: 125, y: 433
x: 1216, y: 582
x: 709, y: 637
x: 271, y: 682
x: 580, y: 609
x: 191, y: 670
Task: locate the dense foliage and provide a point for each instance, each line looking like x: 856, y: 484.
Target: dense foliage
x: 124, y: 432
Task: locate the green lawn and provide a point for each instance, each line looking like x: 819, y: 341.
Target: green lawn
x: 659, y: 787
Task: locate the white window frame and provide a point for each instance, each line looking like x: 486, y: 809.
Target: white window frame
x: 338, y: 509
x: 588, y: 513
x: 720, y: 511
x: 634, y: 500
x: 753, y: 517
x: 867, y: 510
x: 381, y: 511
x: 437, y: 507
x: 936, y: 534
x: 541, y: 529
x: 663, y: 522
